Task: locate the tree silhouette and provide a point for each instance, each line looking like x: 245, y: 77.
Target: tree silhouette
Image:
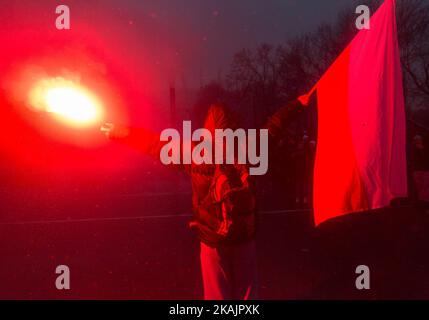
x: 265, y: 78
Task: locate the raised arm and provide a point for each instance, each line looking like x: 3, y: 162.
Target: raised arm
x: 146, y: 141
x: 141, y: 139
x: 277, y: 123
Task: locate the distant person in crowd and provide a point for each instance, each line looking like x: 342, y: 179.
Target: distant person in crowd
x: 310, y: 158
x: 303, y: 158
x: 420, y: 168
x: 299, y: 172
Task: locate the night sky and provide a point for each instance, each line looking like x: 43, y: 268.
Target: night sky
x: 190, y: 40
x: 128, y: 52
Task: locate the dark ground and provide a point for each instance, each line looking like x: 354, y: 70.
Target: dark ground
x: 156, y: 256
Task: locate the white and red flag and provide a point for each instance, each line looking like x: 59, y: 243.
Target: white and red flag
x: 360, y: 160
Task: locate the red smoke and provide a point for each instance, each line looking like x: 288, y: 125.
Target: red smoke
x: 32, y: 51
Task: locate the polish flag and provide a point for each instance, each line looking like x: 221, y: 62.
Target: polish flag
x: 360, y: 160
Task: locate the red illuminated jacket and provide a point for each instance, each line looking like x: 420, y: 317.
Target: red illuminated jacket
x: 218, y: 117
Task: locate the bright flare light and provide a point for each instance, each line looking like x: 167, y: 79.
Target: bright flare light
x: 67, y: 100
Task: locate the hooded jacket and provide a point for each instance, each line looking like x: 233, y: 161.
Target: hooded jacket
x: 218, y: 117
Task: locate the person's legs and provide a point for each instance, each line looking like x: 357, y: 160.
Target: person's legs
x: 215, y: 269
x: 244, y: 271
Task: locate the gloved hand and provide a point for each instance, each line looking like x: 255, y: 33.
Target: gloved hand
x: 114, y: 131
